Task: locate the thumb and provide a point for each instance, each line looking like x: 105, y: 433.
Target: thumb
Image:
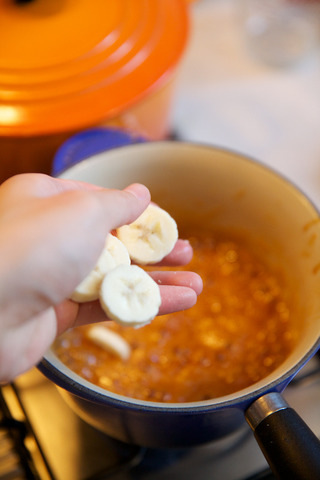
x: 121, y: 207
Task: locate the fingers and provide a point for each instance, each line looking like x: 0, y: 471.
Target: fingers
x: 180, y: 255
x: 123, y: 207
x: 179, y: 291
x: 189, y: 280
x: 176, y: 298
x: 115, y: 207
x: 120, y: 206
x: 41, y: 185
x: 67, y: 314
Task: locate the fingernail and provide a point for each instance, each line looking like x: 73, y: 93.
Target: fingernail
x: 185, y: 244
x: 138, y: 190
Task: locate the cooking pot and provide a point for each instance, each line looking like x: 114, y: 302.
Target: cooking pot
x: 74, y: 64
x: 196, y: 184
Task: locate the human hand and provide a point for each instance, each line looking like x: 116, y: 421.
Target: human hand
x: 52, y: 233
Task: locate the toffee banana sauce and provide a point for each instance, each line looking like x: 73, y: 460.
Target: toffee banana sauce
x: 239, y: 331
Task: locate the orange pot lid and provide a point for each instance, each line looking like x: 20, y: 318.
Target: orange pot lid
x: 66, y: 64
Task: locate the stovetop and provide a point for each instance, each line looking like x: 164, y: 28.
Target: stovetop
x: 41, y: 438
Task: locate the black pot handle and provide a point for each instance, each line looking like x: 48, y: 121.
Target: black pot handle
x: 290, y: 447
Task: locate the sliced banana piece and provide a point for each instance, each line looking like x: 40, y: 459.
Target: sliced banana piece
x: 117, y: 250
x: 129, y: 296
x: 150, y: 237
x: 113, y: 254
x: 110, y: 341
x: 89, y: 288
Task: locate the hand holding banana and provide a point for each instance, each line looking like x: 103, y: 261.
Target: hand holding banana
x: 126, y: 292
x: 52, y: 234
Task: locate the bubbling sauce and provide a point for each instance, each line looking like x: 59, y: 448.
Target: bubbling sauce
x: 238, y: 332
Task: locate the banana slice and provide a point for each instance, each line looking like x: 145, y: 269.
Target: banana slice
x: 150, y: 237
x: 113, y: 254
x: 110, y: 341
x: 117, y: 250
x: 88, y: 290
x: 129, y: 296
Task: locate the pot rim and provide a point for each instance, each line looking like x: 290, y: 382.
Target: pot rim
x: 139, y: 142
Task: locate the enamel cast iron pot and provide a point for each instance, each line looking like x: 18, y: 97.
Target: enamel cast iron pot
x: 69, y: 65
x: 196, y: 184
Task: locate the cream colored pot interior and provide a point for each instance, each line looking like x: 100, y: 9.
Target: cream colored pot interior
x: 200, y: 185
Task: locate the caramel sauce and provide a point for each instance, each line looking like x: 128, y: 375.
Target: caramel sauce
x: 238, y: 332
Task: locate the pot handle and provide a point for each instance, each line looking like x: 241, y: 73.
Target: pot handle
x: 88, y: 143
x: 289, y: 446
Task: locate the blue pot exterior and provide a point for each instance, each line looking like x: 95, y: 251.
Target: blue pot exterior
x: 148, y: 426
x: 88, y: 143
x: 154, y: 426
x: 159, y: 429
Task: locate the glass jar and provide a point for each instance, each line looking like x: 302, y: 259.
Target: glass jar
x: 281, y: 32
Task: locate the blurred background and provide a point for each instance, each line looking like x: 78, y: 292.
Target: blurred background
x: 234, y: 90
